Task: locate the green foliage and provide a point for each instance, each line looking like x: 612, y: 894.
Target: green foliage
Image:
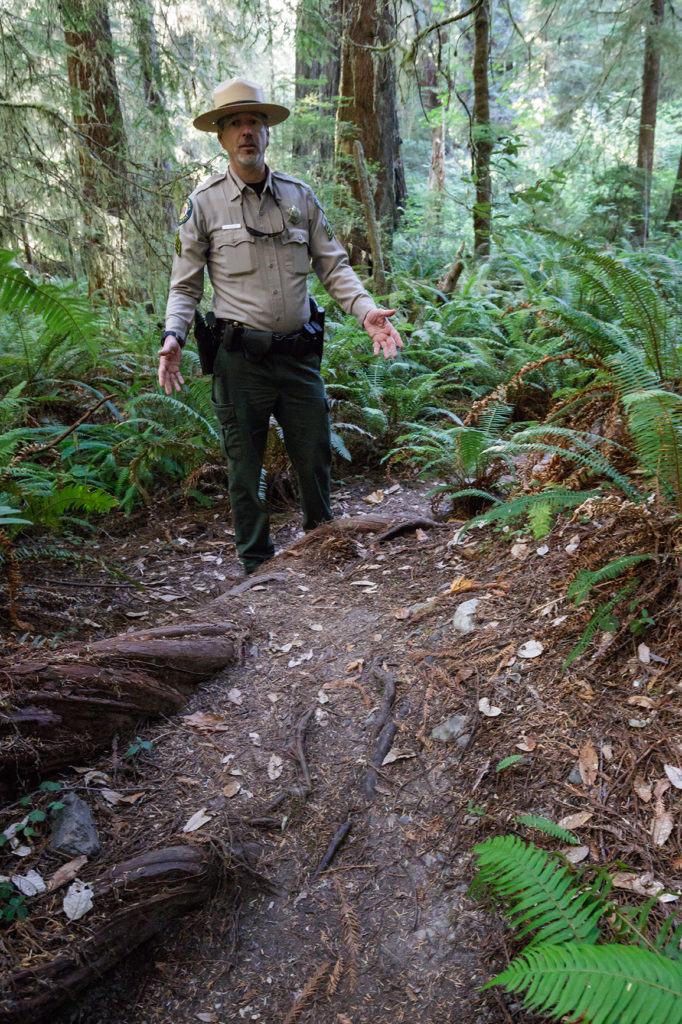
x: 602, y: 618
x: 137, y: 746
x: 568, y: 969
x: 12, y: 904
x: 507, y: 762
x: 586, y: 580
x: 538, y: 892
x: 549, y: 827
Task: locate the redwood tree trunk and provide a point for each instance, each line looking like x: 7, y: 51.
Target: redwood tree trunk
x: 97, y: 115
x: 318, y: 70
x: 481, y: 140
x: 651, y: 77
x: 368, y: 111
x: 674, y: 216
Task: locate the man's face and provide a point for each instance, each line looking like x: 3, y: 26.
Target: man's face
x: 245, y: 138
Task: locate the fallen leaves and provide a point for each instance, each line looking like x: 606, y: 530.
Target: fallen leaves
x: 588, y: 763
x: 197, y: 821
x: 531, y: 649
x: 206, y: 721
x: 78, y: 900
x: 488, y: 709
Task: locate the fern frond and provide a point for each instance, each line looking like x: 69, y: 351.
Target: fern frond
x: 599, y: 620
x: 655, y: 421
x: 549, y: 827
x: 611, y: 984
x: 540, y: 891
x: 587, y: 579
x: 556, y: 499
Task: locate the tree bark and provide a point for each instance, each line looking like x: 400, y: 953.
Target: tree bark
x: 132, y: 902
x: 318, y: 70
x: 674, y: 215
x: 97, y: 115
x: 651, y: 77
x: 481, y: 140
x: 368, y: 111
x: 66, y: 709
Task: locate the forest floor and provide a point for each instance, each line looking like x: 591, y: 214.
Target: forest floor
x: 387, y: 933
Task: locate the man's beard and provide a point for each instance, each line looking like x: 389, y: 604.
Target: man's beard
x: 249, y: 159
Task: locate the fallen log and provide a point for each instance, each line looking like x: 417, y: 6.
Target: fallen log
x: 131, y: 902
x: 70, y: 706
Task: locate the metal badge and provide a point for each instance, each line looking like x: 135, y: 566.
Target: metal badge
x: 185, y: 212
x: 294, y: 215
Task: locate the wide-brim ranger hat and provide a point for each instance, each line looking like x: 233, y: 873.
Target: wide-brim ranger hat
x: 239, y: 96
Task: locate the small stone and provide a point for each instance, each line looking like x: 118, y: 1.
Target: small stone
x: 638, y: 723
x: 451, y: 729
x: 575, y: 777
x: 73, y: 828
x: 463, y: 620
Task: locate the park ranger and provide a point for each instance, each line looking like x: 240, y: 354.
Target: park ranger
x: 256, y: 230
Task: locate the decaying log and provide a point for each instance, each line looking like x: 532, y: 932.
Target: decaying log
x: 131, y: 902
x: 66, y: 708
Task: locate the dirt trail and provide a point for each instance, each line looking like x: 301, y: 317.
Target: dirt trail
x: 385, y: 934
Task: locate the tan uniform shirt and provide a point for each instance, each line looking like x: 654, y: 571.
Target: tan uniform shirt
x: 261, y: 282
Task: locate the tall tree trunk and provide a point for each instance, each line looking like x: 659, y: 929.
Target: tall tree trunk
x: 481, y: 135
x: 651, y: 76
x: 674, y: 215
x: 97, y: 114
x: 367, y: 111
x: 317, y: 77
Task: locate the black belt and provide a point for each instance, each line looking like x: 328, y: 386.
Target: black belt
x: 257, y: 344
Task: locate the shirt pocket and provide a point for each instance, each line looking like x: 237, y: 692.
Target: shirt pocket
x: 296, y: 255
x: 233, y: 252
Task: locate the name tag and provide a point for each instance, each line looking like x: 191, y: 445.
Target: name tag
x: 224, y: 227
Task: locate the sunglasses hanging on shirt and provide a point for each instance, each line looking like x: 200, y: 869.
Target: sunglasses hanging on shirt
x: 254, y: 231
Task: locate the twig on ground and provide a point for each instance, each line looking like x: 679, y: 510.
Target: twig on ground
x: 332, y: 849
x: 252, y: 581
x: 407, y: 524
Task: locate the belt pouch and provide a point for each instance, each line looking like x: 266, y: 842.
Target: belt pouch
x: 255, y: 344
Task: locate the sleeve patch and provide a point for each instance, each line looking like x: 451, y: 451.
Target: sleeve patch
x: 325, y: 223
x: 186, y: 212
x: 178, y: 243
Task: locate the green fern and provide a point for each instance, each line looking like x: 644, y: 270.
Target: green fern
x: 556, y: 498
x: 549, y: 827
x: 610, y: 984
x: 586, y: 579
x: 601, y: 619
x: 540, y: 892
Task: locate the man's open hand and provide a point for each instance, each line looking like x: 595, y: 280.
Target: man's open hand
x: 169, y: 366
x: 382, y: 332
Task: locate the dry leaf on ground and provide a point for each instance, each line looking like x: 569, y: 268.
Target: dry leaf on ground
x: 206, y: 721
x: 588, y: 763
x: 66, y: 873
x: 576, y: 820
x: 78, y: 900
x: 198, y: 819
x: 531, y: 649
x: 232, y: 788
x: 674, y: 774
x: 488, y: 709
x: 275, y: 767
x: 642, y: 788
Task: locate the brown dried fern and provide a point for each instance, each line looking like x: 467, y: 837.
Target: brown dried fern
x: 309, y: 993
x: 335, y: 977
x: 350, y: 929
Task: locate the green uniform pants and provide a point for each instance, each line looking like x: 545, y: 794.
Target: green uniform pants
x: 245, y: 394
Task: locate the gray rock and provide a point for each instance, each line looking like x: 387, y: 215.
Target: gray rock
x: 451, y: 729
x: 73, y: 829
x: 464, y: 618
x: 575, y: 777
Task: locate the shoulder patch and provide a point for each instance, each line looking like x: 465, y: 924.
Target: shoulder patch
x: 178, y: 243
x: 186, y: 212
x: 325, y: 223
